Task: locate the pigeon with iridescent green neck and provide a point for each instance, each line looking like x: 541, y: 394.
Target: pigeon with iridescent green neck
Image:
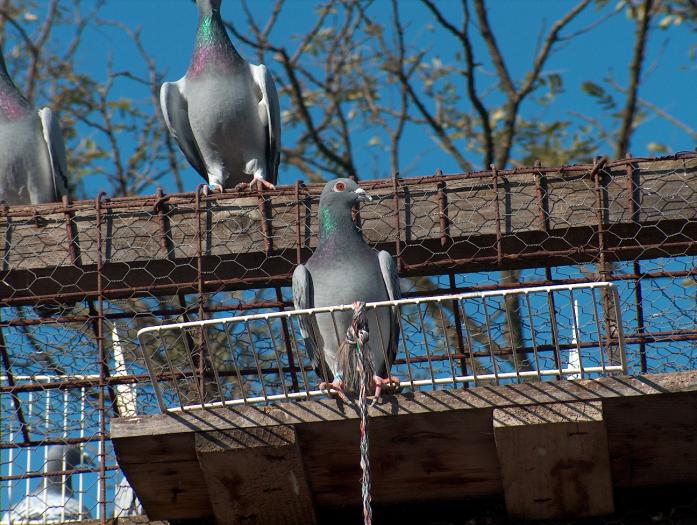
x: 224, y: 112
x: 33, y: 167
x: 342, y: 270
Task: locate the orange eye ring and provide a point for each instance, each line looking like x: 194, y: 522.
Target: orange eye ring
x: 339, y: 186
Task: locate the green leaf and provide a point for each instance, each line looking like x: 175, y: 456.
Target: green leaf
x: 599, y: 94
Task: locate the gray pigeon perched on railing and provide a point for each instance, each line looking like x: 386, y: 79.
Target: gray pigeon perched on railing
x: 33, y: 167
x: 53, y: 501
x: 342, y: 270
x: 224, y: 113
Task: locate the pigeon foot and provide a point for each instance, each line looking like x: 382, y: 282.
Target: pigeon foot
x: 390, y: 383
x: 258, y: 180
x: 214, y: 187
x: 337, y: 386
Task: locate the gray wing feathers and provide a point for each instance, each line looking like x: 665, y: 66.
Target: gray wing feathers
x: 56, y: 151
x: 303, y: 299
x: 270, y: 112
x: 175, y: 111
x: 391, y: 280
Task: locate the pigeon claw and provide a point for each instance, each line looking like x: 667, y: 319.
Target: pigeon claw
x: 215, y: 187
x: 390, y: 383
x: 257, y: 181
x: 336, y: 386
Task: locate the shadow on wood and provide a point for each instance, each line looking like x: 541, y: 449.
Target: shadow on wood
x: 425, y: 446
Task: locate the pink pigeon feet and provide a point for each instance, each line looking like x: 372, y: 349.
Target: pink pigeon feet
x: 337, y: 386
x: 215, y: 188
x: 258, y: 180
x: 390, y: 383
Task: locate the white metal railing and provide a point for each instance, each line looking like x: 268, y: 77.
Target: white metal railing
x: 61, y: 415
x: 54, y: 414
x: 567, y: 331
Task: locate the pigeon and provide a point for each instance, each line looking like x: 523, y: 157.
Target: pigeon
x: 224, y: 113
x: 126, y: 503
x: 53, y: 501
x: 33, y: 167
x: 344, y: 270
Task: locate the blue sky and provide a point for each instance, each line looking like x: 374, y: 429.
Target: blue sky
x: 168, y: 28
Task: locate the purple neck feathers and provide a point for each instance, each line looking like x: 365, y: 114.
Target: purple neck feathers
x: 213, y: 52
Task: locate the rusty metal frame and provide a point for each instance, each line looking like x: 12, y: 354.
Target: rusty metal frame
x: 203, y: 283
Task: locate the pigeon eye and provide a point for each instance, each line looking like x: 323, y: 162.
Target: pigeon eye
x: 339, y: 186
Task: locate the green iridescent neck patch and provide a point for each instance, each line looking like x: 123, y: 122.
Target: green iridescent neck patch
x: 327, y: 223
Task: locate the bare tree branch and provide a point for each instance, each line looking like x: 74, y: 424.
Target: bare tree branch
x: 494, y: 51
x: 629, y: 111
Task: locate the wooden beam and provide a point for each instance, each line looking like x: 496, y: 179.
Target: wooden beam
x: 131, y: 520
x: 165, y: 474
x: 140, y: 255
x: 554, y: 460
x: 425, y: 446
x: 444, y: 456
x: 255, y: 476
x: 621, y: 388
x: 652, y: 443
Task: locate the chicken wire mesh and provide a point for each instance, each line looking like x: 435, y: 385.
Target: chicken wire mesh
x: 55, y: 466
x: 73, y: 271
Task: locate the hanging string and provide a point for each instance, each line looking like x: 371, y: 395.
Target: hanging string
x: 357, y: 335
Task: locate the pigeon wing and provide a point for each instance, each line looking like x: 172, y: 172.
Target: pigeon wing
x: 303, y: 299
x: 56, y: 151
x: 270, y: 114
x: 391, y: 279
x: 175, y: 111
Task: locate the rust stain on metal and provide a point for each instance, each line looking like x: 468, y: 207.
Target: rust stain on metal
x: 444, y: 221
x: 495, y: 187
x: 398, y: 226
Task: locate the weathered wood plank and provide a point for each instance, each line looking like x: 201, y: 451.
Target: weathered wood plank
x: 554, y: 460
x: 325, y: 410
x: 236, y: 253
x: 131, y: 520
x: 251, y: 474
x: 413, y: 458
x: 427, y: 446
x: 165, y: 473
x: 653, y: 442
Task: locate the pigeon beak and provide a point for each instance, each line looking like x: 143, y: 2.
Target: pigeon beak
x: 86, y: 459
x: 362, y: 195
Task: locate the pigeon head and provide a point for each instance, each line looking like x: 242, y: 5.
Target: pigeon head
x: 73, y: 456
x: 335, y: 203
x: 342, y: 193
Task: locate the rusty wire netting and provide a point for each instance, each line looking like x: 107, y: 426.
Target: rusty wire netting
x: 78, y: 276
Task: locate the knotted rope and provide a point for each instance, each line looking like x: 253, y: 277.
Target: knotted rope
x: 357, y: 335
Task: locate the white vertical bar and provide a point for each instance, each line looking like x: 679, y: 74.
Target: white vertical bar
x: 47, y: 422
x: 27, y: 484
x: 125, y: 394
x: 82, y: 435
x: 100, y: 480
x: 10, y: 470
x: 574, y: 353
x: 65, y: 435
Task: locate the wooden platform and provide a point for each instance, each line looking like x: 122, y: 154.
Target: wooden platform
x: 553, y: 448
x: 522, y: 218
